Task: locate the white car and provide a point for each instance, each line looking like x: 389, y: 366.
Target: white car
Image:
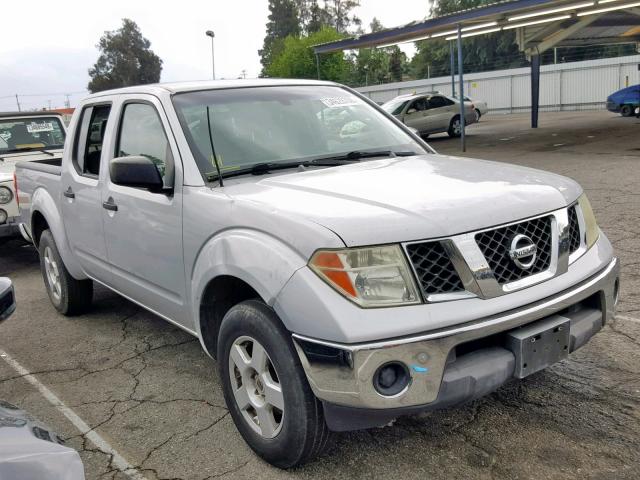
x: 24, y: 136
x: 480, y: 107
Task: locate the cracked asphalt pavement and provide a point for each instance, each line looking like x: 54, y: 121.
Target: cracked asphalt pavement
x: 150, y: 391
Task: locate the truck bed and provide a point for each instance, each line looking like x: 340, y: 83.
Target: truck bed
x: 35, y: 175
x: 49, y: 165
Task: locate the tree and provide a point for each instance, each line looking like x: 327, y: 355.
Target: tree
x: 397, y: 62
x: 297, y: 60
x: 283, y: 21
x: 125, y: 59
x: 340, y: 13
x: 484, y: 52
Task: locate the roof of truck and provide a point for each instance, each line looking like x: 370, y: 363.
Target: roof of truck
x: 39, y: 113
x: 177, y: 87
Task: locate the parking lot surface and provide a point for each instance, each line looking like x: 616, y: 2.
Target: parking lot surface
x: 148, y: 390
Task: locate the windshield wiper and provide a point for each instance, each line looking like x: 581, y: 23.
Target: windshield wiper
x: 34, y: 149
x: 257, y: 169
x: 266, y: 167
x: 356, y: 156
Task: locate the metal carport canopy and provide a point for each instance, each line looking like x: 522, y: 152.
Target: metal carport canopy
x: 539, y: 25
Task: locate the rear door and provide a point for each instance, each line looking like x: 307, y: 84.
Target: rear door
x: 439, y: 113
x: 82, y: 182
x: 143, y: 230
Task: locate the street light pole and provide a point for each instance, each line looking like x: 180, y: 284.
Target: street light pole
x: 210, y: 33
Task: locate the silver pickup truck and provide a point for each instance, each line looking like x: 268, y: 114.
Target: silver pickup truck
x: 341, y: 272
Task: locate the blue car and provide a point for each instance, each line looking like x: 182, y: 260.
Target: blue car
x: 624, y: 101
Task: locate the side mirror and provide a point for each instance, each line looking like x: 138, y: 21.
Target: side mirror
x: 136, y: 171
x: 7, y: 299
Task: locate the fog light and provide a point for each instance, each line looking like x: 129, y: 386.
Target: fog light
x: 391, y: 378
x: 3, y: 216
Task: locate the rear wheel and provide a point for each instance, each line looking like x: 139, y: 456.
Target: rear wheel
x: 265, y: 387
x: 68, y: 295
x: 626, y: 110
x: 455, y: 127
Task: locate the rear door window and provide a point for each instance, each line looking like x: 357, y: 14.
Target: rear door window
x: 89, y: 142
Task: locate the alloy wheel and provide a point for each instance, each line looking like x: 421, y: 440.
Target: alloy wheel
x: 256, y: 387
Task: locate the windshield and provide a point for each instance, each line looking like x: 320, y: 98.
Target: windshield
x: 279, y: 124
x: 394, y: 107
x: 30, y: 133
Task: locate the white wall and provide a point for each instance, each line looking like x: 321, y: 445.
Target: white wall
x: 566, y: 86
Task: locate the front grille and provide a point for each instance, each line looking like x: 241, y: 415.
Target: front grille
x: 495, y: 245
x: 434, y: 269
x: 574, y: 229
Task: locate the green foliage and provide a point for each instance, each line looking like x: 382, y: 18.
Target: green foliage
x: 283, y: 21
x: 125, y: 59
x: 297, y: 59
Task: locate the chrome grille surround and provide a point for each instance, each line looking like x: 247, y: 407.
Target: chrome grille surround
x: 574, y: 229
x: 475, y: 271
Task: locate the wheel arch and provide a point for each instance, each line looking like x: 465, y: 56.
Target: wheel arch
x: 234, y: 266
x: 45, y: 215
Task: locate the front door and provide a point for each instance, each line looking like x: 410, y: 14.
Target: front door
x: 144, y: 229
x: 416, y: 115
x: 81, y: 185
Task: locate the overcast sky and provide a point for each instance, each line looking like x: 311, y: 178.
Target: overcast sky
x: 46, y: 47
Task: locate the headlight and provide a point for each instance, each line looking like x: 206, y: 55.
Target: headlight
x: 6, y: 195
x: 591, y: 226
x: 370, y: 276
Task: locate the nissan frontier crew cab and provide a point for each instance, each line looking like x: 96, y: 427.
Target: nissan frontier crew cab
x: 340, y: 271
x: 24, y: 136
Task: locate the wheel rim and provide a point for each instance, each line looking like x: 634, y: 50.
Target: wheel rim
x: 256, y: 387
x: 52, y: 271
x: 457, y: 127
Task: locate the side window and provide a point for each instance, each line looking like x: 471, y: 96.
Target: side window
x: 88, y: 143
x: 419, y: 105
x: 448, y: 102
x: 142, y: 133
x: 436, y: 102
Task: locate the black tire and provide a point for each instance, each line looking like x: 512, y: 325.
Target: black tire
x: 453, y: 131
x: 303, y: 433
x: 478, y: 115
x: 74, y: 296
x: 626, y: 110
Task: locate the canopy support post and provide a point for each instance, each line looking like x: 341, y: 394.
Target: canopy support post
x: 535, y: 89
x: 461, y: 91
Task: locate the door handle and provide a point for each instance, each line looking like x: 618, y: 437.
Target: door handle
x: 69, y: 193
x: 110, y: 205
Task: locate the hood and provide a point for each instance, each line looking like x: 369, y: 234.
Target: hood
x: 411, y: 198
x: 8, y: 160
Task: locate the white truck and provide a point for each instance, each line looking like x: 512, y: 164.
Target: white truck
x: 24, y: 136
x: 341, y: 272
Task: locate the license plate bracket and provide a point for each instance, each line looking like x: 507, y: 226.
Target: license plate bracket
x: 540, y: 344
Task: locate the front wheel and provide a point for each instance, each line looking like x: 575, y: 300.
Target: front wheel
x: 455, y: 127
x: 478, y: 115
x: 68, y: 295
x: 626, y: 110
x: 265, y: 387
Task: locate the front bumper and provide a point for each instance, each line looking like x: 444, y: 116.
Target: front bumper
x: 445, y: 374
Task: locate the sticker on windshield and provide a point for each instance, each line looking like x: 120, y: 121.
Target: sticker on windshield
x: 335, y: 102
x: 35, y: 127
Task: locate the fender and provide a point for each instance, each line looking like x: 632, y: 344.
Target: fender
x: 257, y: 258
x: 43, y: 202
